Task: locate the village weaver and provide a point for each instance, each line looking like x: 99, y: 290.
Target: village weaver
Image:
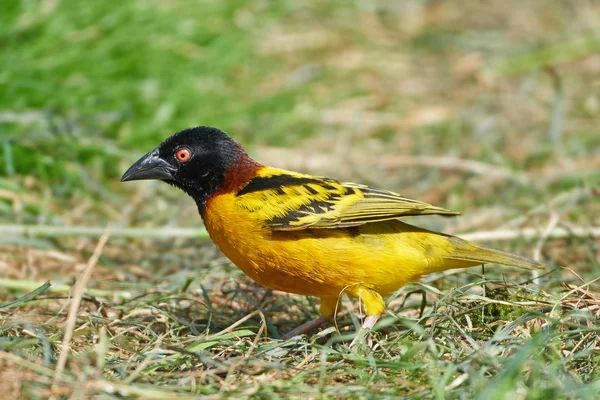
x: 307, y: 234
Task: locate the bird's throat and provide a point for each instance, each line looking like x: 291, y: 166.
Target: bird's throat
x: 239, y: 174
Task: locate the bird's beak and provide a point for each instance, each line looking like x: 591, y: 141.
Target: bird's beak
x: 151, y: 166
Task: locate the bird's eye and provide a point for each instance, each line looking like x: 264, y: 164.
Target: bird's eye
x: 183, y: 155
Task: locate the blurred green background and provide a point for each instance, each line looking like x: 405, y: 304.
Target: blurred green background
x: 85, y: 89
x: 485, y: 107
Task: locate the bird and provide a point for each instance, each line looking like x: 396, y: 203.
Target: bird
x: 307, y: 234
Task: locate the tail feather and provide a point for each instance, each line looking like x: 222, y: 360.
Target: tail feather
x: 477, y: 254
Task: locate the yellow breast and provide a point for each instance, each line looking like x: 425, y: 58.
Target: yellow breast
x: 322, y: 262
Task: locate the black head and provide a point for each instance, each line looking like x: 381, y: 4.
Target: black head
x: 195, y: 160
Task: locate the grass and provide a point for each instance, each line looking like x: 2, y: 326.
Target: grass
x: 486, y: 109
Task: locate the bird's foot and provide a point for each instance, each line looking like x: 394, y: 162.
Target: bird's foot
x: 369, y: 323
x: 305, y: 328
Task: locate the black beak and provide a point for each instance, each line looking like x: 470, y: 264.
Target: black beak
x: 151, y: 166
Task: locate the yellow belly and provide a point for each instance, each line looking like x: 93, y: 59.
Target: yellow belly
x: 323, y: 262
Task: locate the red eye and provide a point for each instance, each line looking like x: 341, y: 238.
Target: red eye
x: 183, y: 155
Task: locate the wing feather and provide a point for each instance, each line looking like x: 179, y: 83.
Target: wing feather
x: 286, y: 200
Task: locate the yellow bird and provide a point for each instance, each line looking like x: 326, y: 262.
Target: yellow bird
x: 306, y: 234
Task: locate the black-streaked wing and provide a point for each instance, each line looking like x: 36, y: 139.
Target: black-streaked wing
x: 287, y: 200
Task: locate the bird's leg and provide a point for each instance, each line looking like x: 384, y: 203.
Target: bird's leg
x: 374, y: 306
x: 327, y: 309
x: 305, y: 327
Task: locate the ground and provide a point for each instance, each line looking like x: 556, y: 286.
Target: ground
x: 488, y: 108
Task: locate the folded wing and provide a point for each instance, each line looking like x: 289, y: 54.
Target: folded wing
x: 286, y: 200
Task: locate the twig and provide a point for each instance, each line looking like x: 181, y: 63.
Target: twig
x: 95, y: 231
x: 22, y: 362
x: 133, y: 391
x: 234, y: 325
x: 530, y: 233
x: 167, y: 232
x: 537, y: 253
x: 574, y: 290
x: 317, y: 161
x: 142, y: 366
x: 75, y: 302
x: 457, y: 164
x: 23, y: 285
x: 556, y: 116
x: 558, y: 202
x: 28, y: 297
x: 234, y: 366
x: 457, y: 382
